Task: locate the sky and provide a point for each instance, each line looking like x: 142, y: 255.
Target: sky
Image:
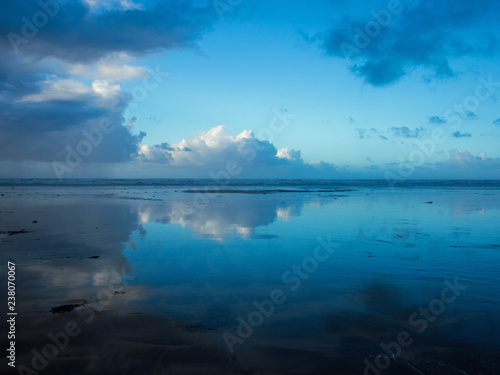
x: 250, y: 89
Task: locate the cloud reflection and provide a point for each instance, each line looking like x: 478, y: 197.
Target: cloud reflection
x: 223, y: 216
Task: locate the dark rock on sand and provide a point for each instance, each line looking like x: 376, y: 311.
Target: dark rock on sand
x: 12, y: 232
x: 64, y: 308
x: 196, y: 327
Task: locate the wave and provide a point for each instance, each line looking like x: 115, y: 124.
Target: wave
x: 289, y: 185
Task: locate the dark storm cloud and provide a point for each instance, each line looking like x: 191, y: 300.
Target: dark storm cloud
x: 76, y: 33
x: 391, y: 42
x: 43, y: 131
x: 37, y: 118
x: 43, y: 109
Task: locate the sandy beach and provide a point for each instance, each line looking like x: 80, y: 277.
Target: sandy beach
x: 124, y: 279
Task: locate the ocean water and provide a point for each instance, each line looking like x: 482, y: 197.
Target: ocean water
x: 255, y: 276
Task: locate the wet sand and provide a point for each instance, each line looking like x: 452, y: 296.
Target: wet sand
x: 154, y: 280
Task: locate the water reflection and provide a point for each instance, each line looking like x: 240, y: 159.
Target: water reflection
x: 70, y: 249
x: 187, y: 274
x: 223, y: 216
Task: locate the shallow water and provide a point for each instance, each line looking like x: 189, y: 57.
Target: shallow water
x: 308, y: 281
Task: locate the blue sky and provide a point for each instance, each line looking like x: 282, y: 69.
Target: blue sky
x: 322, y: 89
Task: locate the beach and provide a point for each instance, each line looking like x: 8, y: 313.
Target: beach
x: 253, y: 277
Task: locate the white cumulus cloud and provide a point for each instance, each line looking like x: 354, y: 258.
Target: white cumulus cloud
x: 216, y: 150
x: 288, y: 153
x: 59, y: 90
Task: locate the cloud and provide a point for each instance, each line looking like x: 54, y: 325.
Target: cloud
x: 470, y: 115
x: 59, y: 90
x: 59, y: 80
x: 437, y: 120
x: 405, y: 132
x: 379, y: 73
x: 401, y: 132
x: 243, y: 155
x: 101, y: 93
x: 40, y: 121
x: 120, y: 72
x: 209, y: 147
x: 466, y: 158
x: 424, y: 34
x: 288, y: 153
x: 461, y: 164
x: 368, y: 133
x: 96, y: 5
x: 361, y: 133
x: 115, y: 67
x: 78, y: 32
x: 458, y: 134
